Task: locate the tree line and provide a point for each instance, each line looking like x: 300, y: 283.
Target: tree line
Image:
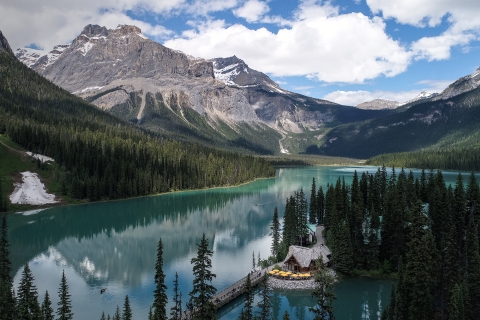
x: 101, y: 157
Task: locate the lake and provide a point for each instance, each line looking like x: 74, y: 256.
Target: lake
x: 113, y: 245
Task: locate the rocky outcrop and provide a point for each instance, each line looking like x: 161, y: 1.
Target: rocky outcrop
x: 378, y: 104
x: 464, y: 84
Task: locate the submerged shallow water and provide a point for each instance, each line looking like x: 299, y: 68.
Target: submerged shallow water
x: 113, y: 245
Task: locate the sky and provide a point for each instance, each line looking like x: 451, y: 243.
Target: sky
x: 346, y: 51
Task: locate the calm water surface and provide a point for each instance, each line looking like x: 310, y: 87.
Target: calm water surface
x: 113, y: 245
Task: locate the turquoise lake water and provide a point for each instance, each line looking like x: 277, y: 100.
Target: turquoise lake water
x: 113, y: 245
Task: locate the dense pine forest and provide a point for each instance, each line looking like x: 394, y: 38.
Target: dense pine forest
x: 101, y: 157
x: 421, y: 229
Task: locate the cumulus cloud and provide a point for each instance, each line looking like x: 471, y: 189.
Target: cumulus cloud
x: 353, y: 98
x: 204, y: 7
x: 320, y: 42
x: 50, y: 22
x: 461, y: 15
x: 252, y: 10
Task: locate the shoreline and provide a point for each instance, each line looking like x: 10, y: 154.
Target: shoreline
x: 64, y: 203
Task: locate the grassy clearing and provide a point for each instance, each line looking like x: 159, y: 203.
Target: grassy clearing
x: 13, y: 160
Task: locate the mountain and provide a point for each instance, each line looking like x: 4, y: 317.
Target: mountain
x: 220, y: 102
x: 434, y: 123
x: 424, y: 95
x: 464, y: 84
x: 99, y: 156
x: 4, y: 44
x: 378, y: 104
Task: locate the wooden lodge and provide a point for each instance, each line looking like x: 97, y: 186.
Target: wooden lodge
x: 302, y: 259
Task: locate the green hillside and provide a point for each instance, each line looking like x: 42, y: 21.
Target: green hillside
x: 99, y: 156
x: 439, y: 127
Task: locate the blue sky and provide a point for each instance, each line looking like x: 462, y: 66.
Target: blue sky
x: 347, y: 51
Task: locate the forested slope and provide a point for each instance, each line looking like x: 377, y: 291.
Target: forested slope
x: 100, y: 156
x: 440, y: 129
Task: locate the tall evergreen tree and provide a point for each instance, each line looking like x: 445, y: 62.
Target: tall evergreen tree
x: 160, y: 297
x: 265, y: 303
x: 47, y: 310
x: 456, y: 309
x: 343, y: 253
x: 176, y: 310
x: 286, y: 316
x: 127, y: 310
x: 420, y: 268
x: 64, y: 311
x: 312, y: 217
x: 323, y: 293
x: 3, y: 200
x: 473, y: 268
x: 247, y: 313
x: 117, y: 315
x: 320, y: 207
x: 7, y: 299
x: 203, y: 290
x: 275, y: 227
x: 27, y: 298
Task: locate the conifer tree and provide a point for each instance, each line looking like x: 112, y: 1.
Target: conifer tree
x: 7, y: 299
x: 286, y: 316
x: 176, y: 310
x: 3, y: 201
x: 456, y: 305
x: 343, y: 254
x: 103, y: 316
x: 64, y: 311
x: 312, y: 217
x: 254, y: 263
x: 27, y: 298
x: 127, y: 310
x: 203, y: 290
x: 47, y: 310
x: 117, y: 315
x: 247, y: 313
x: 265, y: 303
x: 323, y: 293
x: 160, y: 296
x: 473, y: 268
x: 420, y: 267
x: 320, y: 207
x: 275, y: 227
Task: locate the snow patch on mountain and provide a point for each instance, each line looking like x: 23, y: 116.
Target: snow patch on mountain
x: 87, y: 89
x: 31, y: 191
x: 422, y: 96
x: 226, y: 74
x: 29, y: 56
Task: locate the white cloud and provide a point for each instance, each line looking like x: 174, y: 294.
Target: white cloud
x: 352, y: 98
x: 50, y: 22
x: 322, y: 43
x: 252, y: 10
x: 462, y: 17
x: 204, y: 7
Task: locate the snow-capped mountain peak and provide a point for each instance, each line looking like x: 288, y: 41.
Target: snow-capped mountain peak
x: 422, y: 96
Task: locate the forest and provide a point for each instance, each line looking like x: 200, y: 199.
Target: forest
x: 101, y: 157
x: 421, y: 231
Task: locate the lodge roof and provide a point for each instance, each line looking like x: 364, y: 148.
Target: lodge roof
x: 305, y: 255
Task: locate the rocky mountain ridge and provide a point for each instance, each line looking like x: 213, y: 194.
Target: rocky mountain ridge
x: 378, y: 104
x: 218, y: 101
